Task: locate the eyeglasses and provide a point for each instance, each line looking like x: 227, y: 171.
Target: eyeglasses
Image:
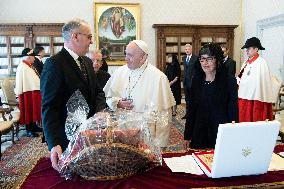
x: 208, y: 59
x: 89, y: 36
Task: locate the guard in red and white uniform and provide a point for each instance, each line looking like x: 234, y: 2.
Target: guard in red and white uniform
x: 28, y: 91
x: 255, y: 85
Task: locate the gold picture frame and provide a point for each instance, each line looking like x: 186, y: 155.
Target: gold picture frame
x: 116, y: 24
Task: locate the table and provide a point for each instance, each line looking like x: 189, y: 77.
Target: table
x: 43, y: 176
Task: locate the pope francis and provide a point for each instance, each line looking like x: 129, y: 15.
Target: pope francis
x: 138, y: 85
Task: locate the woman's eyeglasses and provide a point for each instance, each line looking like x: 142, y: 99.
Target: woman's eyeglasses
x: 207, y: 59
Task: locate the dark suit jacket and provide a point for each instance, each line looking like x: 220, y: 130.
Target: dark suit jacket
x: 102, y: 77
x: 104, y: 66
x: 188, y: 73
x: 38, y: 65
x: 230, y: 65
x: 60, y: 78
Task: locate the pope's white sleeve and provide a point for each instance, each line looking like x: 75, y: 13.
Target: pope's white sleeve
x: 112, y: 102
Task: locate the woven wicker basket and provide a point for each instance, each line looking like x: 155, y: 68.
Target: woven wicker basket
x: 108, y: 162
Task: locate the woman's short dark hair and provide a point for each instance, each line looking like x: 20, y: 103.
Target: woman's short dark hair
x: 175, y: 58
x: 213, y: 49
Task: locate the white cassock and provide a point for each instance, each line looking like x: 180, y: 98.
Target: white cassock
x: 28, y: 90
x: 255, y: 91
x: 148, y: 87
x: 256, y: 83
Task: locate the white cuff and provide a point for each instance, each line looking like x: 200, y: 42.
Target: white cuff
x: 112, y: 102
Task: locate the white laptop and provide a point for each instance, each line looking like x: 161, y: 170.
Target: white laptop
x: 241, y: 149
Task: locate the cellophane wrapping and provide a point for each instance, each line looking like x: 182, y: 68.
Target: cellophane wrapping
x: 108, y: 145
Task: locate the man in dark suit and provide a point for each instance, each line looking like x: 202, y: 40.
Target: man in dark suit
x: 189, y: 61
x: 229, y: 63
x: 102, y: 76
x: 63, y: 74
x: 38, y: 63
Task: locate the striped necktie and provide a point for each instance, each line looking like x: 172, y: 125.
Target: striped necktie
x: 83, y: 68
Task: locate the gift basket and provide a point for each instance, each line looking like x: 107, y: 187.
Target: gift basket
x: 109, y: 145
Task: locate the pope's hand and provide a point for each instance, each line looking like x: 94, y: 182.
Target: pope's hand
x: 55, y: 154
x: 125, y: 104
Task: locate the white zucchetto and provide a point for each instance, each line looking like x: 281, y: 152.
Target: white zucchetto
x: 142, y: 45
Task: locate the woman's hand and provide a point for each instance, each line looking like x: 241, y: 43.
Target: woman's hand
x: 173, y: 81
x: 186, y: 144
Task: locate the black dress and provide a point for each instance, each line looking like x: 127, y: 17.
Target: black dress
x: 212, y: 103
x: 205, y: 132
x: 173, y: 71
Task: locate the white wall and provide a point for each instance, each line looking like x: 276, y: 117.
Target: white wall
x: 272, y: 37
x: 273, y: 41
x: 254, y: 10
x: 215, y: 12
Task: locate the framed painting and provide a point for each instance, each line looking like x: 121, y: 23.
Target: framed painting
x: 116, y: 24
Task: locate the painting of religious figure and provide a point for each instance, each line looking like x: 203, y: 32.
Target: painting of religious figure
x: 116, y: 24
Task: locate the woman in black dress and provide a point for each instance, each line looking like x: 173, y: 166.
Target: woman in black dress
x: 173, y: 74
x: 214, y: 99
